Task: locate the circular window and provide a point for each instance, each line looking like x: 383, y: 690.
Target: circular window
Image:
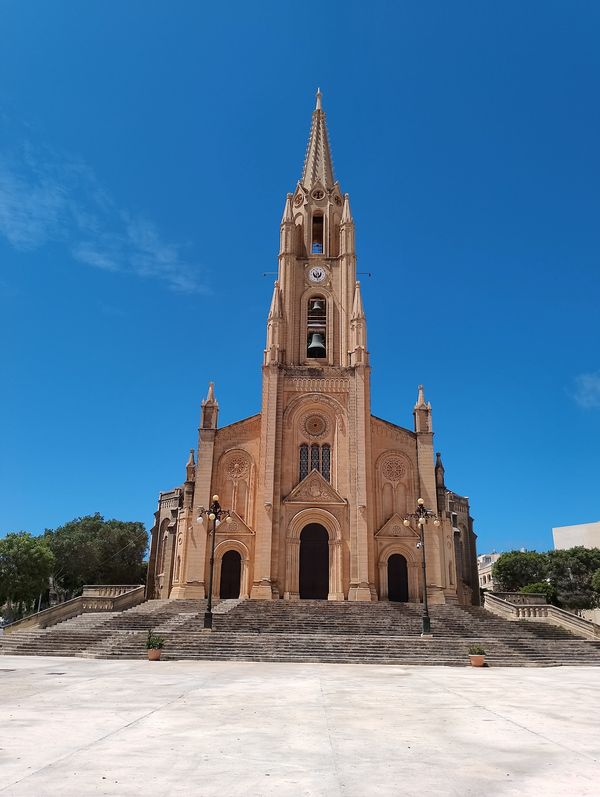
x: 315, y: 425
x: 318, y: 194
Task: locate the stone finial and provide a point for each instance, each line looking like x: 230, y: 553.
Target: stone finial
x: 210, y: 409
x: 211, y: 393
x: 318, y: 105
x: 421, y: 398
x: 276, y: 310
x: 288, y: 215
x: 358, y: 310
x: 346, y: 212
x: 190, y: 467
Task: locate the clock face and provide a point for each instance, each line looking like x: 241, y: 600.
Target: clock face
x: 317, y: 274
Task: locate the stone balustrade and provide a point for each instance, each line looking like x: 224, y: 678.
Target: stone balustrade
x: 542, y: 613
x: 118, y: 598
x: 522, y: 598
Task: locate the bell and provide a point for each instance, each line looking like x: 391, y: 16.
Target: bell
x: 316, y: 347
x: 316, y: 306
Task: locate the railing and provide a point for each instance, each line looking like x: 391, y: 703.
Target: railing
x: 522, y: 598
x: 542, y: 613
x: 119, y: 598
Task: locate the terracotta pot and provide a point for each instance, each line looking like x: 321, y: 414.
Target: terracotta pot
x: 154, y: 654
x: 477, y: 660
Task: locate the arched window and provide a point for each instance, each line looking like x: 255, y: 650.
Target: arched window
x: 326, y: 461
x: 317, y: 235
x: 320, y: 459
x: 303, y: 461
x: 316, y: 332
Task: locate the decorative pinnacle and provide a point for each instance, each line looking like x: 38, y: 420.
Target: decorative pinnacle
x: 319, y: 106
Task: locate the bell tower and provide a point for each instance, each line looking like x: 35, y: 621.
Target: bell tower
x: 316, y: 402
x: 312, y: 320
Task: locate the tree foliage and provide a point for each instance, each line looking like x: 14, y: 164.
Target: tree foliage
x: 544, y: 588
x: 26, y: 563
x: 516, y: 569
x: 564, y: 576
x: 571, y: 571
x: 596, y: 584
x: 92, y: 550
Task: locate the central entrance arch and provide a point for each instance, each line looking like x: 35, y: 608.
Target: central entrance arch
x: 231, y: 571
x: 314, y: 562
x: 397, y: 578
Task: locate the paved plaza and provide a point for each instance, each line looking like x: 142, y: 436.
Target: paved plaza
x: 79, y: 727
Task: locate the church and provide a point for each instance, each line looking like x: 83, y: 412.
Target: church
x: 318, y: 488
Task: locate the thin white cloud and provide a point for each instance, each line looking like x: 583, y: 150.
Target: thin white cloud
x: 46, y: 198
x: 587, y: 390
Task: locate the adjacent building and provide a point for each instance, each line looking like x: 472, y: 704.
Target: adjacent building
x: 318, y: 487
x: 586, y: 534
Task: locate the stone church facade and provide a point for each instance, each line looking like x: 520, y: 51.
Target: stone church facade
x: 317, y: 486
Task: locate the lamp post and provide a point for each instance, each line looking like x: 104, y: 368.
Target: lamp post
x: 214, y: 514
x: 422, y: 515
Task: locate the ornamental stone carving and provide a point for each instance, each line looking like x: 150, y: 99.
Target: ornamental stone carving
x: 237, y: 466
x: 393, y: 468
x: 314, y: 425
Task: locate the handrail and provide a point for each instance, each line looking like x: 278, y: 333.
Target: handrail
x: 80, y: 605
x: 542, y: 613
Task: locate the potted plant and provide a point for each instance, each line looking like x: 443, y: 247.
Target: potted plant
x: 154, y: 645
x: 477, y: 656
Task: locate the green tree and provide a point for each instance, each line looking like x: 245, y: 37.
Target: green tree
x: 26, y: 564
x: 92, y: 550
x: 515, y: 569
x: 571, y: 572
x: 596, y: 585
x: 541, y: 588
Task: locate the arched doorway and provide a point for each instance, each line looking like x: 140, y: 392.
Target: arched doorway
x: 314, y: 562
x: 231, y: 570
x: 397, y: 578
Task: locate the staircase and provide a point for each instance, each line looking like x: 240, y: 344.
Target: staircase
x: 307, y: 631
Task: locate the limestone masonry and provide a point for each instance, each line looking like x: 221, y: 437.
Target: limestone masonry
x: 318, y: 487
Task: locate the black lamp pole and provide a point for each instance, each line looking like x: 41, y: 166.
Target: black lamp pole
x: 214, y: 514
x: 422, y: 515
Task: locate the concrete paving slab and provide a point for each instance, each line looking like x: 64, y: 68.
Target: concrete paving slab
x: 86, y: 727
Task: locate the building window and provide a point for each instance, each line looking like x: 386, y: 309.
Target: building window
x: 454, y: 520
x: 303, y: 461
x: 316, y: 332
x: 326, y: 462
x: 320, y: 459
x: 317, y: 235
x: 315, y: 451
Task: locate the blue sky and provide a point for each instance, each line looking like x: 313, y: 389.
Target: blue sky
x: 145, y: 152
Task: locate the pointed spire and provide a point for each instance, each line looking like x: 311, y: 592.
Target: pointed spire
x: 346, y: 212
x: 439, y: 470
x: 210, y: 409
x: 211, y: 393
x: 358, y: 310
x: 287, y: 211
x: 318, y: 167
x: 190, y: 467
x: 276, y: 310
x: 421, y: 399
x: 319, y: 106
